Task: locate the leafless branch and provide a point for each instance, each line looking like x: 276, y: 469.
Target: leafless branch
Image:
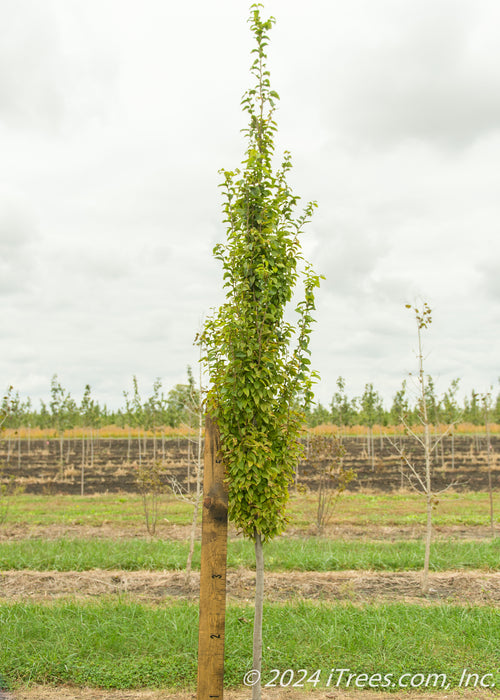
x: 412, y: 469
x: 446, y: 432
x: 179, y: 491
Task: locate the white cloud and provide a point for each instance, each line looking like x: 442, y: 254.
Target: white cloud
x: 115, y: 117
x: 425, y: 71
x: 18, y: 238
x: 52, y: 66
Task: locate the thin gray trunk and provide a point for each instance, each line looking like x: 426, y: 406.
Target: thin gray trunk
x: 373, y: 449
x: 259, y: 605
x: 61, y: 454
x: 490, y: 485
x: 428, y: 474
x: 197, y: 501
x: 82, y: 474
x: 428, y: 539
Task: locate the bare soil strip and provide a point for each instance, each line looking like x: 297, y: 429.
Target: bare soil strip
x: 155, y: 587
x: 65, y: 693
x: 167, y: 531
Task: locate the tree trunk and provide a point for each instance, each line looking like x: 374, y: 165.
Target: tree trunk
x: 257, y: 624
x: 490, y: 485
x: 372, y: 448
x: 196, y: 505
x: 188, y: 473
x: 428, y: 539
x: 212, y: 571
x: 428, y: 499
x: 61, y: 454
x: 82, y: 475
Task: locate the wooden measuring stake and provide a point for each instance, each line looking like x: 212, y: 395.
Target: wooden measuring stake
x: 213, y: 571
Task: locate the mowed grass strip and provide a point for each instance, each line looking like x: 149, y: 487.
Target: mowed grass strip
x: 118, y: 510
x: 127, y: 645
x: 312, y: 554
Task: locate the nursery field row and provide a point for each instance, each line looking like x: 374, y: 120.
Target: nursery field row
x: 182, y: 431
x: 311, y: 554
x: 114, y: 512
x: 88, y: 599
x: 358, y: 586
x: 77, y: 466
x: 112, y: 644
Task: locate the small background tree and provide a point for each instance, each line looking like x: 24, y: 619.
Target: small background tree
x: 63, y: 412
x: 326, y: 454
x: 257, y: 361
x: 371, y: 408
x: 420, y: 480
x: 486, y: 403
x: 192, y: 408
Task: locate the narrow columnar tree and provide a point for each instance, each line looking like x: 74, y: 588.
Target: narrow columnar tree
x: 257, y: 360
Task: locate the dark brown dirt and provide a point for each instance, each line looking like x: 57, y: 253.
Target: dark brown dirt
x: 37, y: 466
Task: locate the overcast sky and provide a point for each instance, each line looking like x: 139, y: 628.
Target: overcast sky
x: 115, y: 117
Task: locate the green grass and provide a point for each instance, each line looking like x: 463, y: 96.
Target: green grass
x: 126, y: 645
x: 311, y: 554
x: 397, y: 509
x: 93, y: 510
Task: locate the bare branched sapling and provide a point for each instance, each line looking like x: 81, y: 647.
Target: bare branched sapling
x: 327, y: 456
x: 193, y: 405
x: 151, y: 486
x: 421, y: 480
x: 486, y: 406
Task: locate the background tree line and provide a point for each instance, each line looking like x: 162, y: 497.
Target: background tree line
x: 173, y: 408
x: 63, y: 412
x: 369, y: 410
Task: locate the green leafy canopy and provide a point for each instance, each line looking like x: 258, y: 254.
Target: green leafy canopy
x: 260, y: 376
